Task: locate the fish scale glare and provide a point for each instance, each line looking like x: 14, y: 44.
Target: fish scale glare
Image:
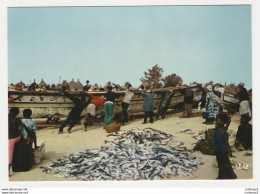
x: 137, y: 154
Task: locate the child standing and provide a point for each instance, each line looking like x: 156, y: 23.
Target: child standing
x: 27, y: 113
x: 221, y: 147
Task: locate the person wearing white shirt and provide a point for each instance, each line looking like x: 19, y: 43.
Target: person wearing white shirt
x: 125, y: 104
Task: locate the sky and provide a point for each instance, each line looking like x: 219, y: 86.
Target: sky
x: 118, y: 44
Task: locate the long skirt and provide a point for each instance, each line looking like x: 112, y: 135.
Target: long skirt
x: 23, y: 156
x: 224, y: 166
x: 11, y: 144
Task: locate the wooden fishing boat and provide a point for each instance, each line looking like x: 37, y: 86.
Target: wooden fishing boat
x: 229, y: 102
x: 50, y: 104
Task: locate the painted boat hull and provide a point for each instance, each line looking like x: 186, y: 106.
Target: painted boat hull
x: 53, y: 105
x: 228, y: 102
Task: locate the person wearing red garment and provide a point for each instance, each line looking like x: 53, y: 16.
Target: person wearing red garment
x: 91, y: 110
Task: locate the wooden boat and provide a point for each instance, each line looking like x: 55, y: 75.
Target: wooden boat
x: 228, y: 101
x: 51, y: 104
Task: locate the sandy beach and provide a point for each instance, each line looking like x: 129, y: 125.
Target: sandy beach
x: 58, y: 145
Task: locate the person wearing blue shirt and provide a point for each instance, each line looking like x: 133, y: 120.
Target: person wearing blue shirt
x: 31, y: 126
x: 222, y: 149
x: 148, y: 106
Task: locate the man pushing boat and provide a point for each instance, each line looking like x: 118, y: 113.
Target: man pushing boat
x: 74, y: 114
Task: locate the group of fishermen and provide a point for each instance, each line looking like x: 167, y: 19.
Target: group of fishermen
x: 207, y: 101
x: 216, y: 141
x: 108, y: 99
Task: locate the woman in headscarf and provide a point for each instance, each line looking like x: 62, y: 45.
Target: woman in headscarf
x: 211, y: 105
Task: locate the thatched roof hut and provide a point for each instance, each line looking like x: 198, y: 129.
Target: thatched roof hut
x: 20, y: 84
x: 80, y: 86
x: 42, y: 83
x: 74, y: 86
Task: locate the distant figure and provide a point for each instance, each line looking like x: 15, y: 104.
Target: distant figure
x: 37, y: 89
x: 108, y: 106
x: 74, y: 114
x: 219, y: 90
x: 95, y: 87
x: 32, y: 87
x: 18, y: 87
x: 65, y: 86
x: 148, y: 106
x: 188, y: 99
x: 11, y: 87
x: 244, y: 134
x: 222, y: 149
x: 164, y: 104
x: 91, y: 110
x: 244, y: 108
x: 125, y: 104
x: 14, y: 133
x: 202, y: 104
x: 87, y: 86
x: 211, y: 106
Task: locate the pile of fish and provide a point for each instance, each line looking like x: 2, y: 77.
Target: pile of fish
x: 201, y: 134
x: 137, y: 154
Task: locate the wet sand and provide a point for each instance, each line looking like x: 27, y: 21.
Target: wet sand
x: 57, y: 145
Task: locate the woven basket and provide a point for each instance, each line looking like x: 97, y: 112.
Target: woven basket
x: 112, y: 128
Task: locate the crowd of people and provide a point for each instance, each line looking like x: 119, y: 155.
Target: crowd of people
x: 22, y: 131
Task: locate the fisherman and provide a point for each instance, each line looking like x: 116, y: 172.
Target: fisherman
x: 91, y: 110
x: 125, y: 104
x: 188, y: 99
x: 164, y: 104
x: 221, y: 147
x: 244, y: 99
x: 211, y: 106
x: 108, y: 106
x: 148, y: 106
x: 74, y: 114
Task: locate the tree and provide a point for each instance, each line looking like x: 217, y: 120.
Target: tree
x: 153, y: 78
x: 172, y: 80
